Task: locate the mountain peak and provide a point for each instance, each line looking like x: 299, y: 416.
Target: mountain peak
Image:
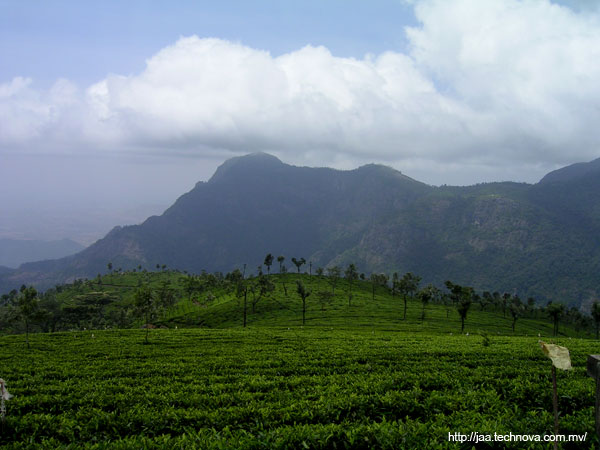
x: 251, y: 161
x: 572, y: 172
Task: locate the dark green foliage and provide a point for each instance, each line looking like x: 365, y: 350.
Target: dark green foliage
x: 268, y: 262
x: 464, y: 304
x: 426, y: 295
x: 325, y: 298
x: 145, y: 305
x: 408, y: 285
x: 298, y: 263
x: 280, y: 260
x: 27, y: 308
x: 260, y: 287
x: 516, y: 310
x: 555, y: 311
x: 280, y: 389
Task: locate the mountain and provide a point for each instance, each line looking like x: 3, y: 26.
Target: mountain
x: 14, y: 252
x: 537, y: 240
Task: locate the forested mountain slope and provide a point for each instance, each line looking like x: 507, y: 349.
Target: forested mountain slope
x: 538, y: 240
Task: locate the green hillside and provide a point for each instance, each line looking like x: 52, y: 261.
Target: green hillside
x: 214, y: 301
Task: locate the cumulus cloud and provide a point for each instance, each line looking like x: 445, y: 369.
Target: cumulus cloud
x: 485, y: 83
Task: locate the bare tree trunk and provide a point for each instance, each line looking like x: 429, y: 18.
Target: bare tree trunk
x: 303, y: 311
x: 147, y: 327
x: 27, y: 332
x: 245, y: 306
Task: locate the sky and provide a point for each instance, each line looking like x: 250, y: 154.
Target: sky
x: 111, y: 110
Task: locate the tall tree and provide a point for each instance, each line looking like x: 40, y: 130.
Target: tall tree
x: 333, y: 276
x: 242, y: 291
x: 268, y: 262
x: 145, y: 306
x: 28, y: 307
x: 426, y: 295
x: 304, y: 294
x: 516, y: 310
x: 408, y: 286
x: 505, y: 303
x: 555, y: 311
x: 456, y: 291
x: 298, y: 263
x: 324, y: 298
x: 284, y: 271
x: 485, y: 299
x: 260, y: 288
x: 464, y: 304
x: 380, y: 279
x: 280, y: 260
x: 351, y: 274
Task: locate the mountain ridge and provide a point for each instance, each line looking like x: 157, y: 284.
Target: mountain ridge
x: 495, y: 236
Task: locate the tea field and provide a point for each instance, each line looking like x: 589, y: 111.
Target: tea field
x: 293, y: 387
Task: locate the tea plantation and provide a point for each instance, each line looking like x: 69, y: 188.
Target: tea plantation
x: 285, y: 388
x: 356, y: 375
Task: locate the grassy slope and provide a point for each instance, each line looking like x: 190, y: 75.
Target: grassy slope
x: 279, y: 310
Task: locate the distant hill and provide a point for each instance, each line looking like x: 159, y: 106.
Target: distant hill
x: 14, y: 252
x: 536, y: 240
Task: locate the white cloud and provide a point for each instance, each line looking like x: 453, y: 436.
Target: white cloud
x: 502, y: 84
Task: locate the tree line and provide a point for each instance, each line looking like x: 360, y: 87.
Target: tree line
x: 26, y: 309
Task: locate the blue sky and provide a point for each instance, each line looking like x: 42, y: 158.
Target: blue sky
x: 122, y: 106
x: 85, y: 40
